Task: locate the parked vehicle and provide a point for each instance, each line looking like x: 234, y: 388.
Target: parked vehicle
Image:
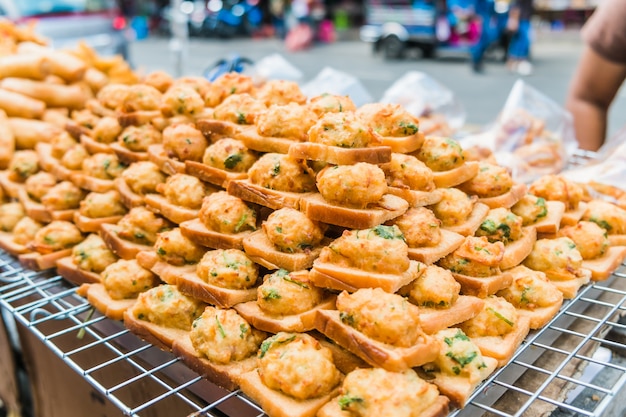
x: 65, y: 23
x: 229, y: 18
x: 394, y: 26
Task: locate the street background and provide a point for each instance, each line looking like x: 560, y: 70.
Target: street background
x: 554, y: 57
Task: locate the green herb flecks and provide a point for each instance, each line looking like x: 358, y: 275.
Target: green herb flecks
x: 269, y: 343
x: 501, y: 317
x: 219, y: 327
x: 232, y: 160
x: 345, y: 401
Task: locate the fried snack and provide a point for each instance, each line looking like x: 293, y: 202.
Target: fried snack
x: 533, y: 295
x: 559, y: 188
x: 50, y: 243
x: 409, y: 178
x: 287, y: 302
x: 459, y: 212
x: 7, y: 142
x: 23, y: 232
x: 28, y: 132
x: 396, y: 127
x: 138, y: 180
x: 99, y: 208
x: 89, y: 258
x: 35, y: 67
x: 459, y: 368
x: 545, y: 216
x: 19, y: 105
x: 610, y: 217
x: 62, y: 64
x: 179, y: 198
x: 445, y: 157
x: 54, y: 95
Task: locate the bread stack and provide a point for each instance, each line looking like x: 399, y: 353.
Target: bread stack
x: 326, y: 259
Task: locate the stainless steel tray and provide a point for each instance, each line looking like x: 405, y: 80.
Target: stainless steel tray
x: 573, y: 366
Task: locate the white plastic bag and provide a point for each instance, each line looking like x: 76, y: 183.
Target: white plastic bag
x: 332, y: 81
x: 274, y: 67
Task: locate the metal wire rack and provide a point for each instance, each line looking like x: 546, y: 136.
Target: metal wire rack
x: 552, y: 373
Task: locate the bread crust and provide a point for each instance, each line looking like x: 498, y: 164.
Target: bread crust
x: 326, y: 275
x: 277, y: 404
x: 98, y: 297
x: 127, y: 156
x: 147, y: 259
x: 226, y: 376
x: 213, y: 175
x: 261, y: 250
x: 572, y: 217
x: 617, y: 240
x: 129, y: 198
x: 300, y: 323
x: 39, y: 212
x: 92, y: 146
x: 483, y: 286
x: 507, y: 199
x: 416, y: 198
x: 601, y: 268
x: 88, y: 225
x: 49, y: 163
x: 137, y: 118
x: 569, y: 287
x: 10, y: 187
x: 76, y: 130
x: 123, y: 248
x: 458, y: 388
x: 455, y: 176
x: 503, y: 348
x: 72, y: 273
x: 516, y: 251
x: 158, y: 156
x: 159, y: 336
x: 450, y: 241
x: 389, y: 207
x: 473, y: 222
x: 340, y: 156
x: 38, y: 262
x: 177, y: 214
x: 343, y: 359
x: 252, y: 140
x: 403, y: 144
x: 438, y: 409
x: 372, y: 351
x: 466, y: 306
x: 216, y: 129
x: 273, y: 199
x: 87, y: 182
x: 7, y: 244
x: 552, y: 222
x: 196, y: 231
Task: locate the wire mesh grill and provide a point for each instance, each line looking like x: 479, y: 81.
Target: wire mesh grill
x: 572, y: 366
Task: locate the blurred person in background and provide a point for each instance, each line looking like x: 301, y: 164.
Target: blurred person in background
x: 485, y: 11
x: 599, y: 74
x: 518, y: 25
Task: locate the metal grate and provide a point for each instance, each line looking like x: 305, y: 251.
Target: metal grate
x: 572, y: 366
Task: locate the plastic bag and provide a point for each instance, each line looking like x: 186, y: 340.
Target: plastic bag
x: 332, y: 81
x: 274, y: 67
x: 532, y: 136
x: 439, y: 110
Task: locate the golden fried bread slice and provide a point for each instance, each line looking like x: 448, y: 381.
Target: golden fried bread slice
x: 403, y: 144
x: 289, y: 323
x: 125, y: 249
x: 344, y: 360
x: 177, y: 214
x: 516, y: 251
x: 416, y: 198
x: 90, y: 225
x: 617, y: 240
x: 570, y: 286
x: 98, y: 297
x: 127, y: 156
x: 571, y: 217
x: 138, y: 118
x: 266, y: 197
x: 250, y: 137
x: 196, y: 231
x: 87, y: 182
x: 483, y: 286
x: 333, y: 409
x: 388, y: 208
x: 551, y: 223
x: 223, y: 375
x: 8, y: 245
x: 502, y: 348
x: 39, y: 212
x: 372, y: 351
x: 327, y: 275
x: 160, y: 336
x: 93, y: 146
x: 455, y: 176
x: 129, y: 198
x: 450, y: 241
x: 507, y: 199
x: 10, y: 187
x: 261, y: 250
x: 76, y: 130
x: 473, y: 222
x: 213, y: 175
x: 602, y: 267
x: 71, y: 272
x: 434, y: 319
x: 217, y: 129
x: 38, y: 261
x: 340, y: 156
x: 158, y: 156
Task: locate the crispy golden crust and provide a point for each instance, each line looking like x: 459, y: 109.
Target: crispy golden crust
x: 333, y: 409
x: 455, y: 176
x: 8, y: 245
x: 259, y: 248
x: 503, y: 348
x: 273, y: 199
x: 98, y: 297
x: 277, y: 404
x: 389, y: 207
x: 416, y: 198
x: 469, y: 226
x: 507, y: 199
x: 129, y: 198
x: 213, y: 175
x: 343, y: 359
x: 177, y: 214
x: 40, y: 213
x: 302, y: 322
x: 617, y: 240
x: 159, y: 336
x: 11, y: 188
x: 340, y: 156
x: 87, y: 182
x: 601, y: 268
x: 450, y: 241
x: 225, y: 376
x: 551, y: 223
x: 127, y: 156
x: 483, y: 286
x: 372, y: 351
x: 158, y: 156
x: 569, y: 288
x: 70, y: 271
x: 326, y: 275
x: 122, y: 248
x: 251, y: 138
x: 403, y: 144
x: 196, y: 231
x: 216, y: 129
x: 515, y: 252
x: 89, y: 225
x: 92, y: 146
x: 38, y: 262
x: 571, y: 217
x: 466, y: 306
x: 138, y: 118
